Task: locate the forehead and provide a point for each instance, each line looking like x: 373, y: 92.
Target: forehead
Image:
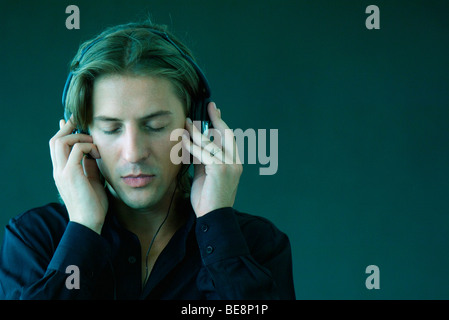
x: 129, y: 95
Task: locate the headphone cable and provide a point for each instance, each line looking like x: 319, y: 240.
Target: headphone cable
x: 154, y: 237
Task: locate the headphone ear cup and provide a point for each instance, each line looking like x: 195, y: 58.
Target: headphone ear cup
x: 199, y: 113
x: 206, y: 123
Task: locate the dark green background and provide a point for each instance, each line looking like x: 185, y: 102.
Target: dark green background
x: 362, y: 117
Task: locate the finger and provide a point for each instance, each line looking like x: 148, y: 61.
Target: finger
x: 201, y: 154
x: 215, y: 116
x: 79, y: 150
x: 64, y: 129
x: 227, y: 135
x: 200, y: 139
x: 64, y: 145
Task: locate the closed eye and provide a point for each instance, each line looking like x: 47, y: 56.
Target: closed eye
x: 152, y: 129
x: 147, y: 128
x: 110, y: 132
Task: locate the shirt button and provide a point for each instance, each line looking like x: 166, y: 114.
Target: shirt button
x: 132, y: 259
x: 204, y: 227
x: 209, y: 249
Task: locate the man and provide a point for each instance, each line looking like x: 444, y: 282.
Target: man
x: 133, y: 225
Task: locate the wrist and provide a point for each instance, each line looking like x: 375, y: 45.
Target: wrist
x: 94, y: 226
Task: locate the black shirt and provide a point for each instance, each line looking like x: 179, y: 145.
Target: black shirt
x: 222, y: 255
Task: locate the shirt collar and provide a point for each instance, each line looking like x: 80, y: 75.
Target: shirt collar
x: 113, y: 229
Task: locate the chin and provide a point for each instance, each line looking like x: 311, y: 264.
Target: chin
x: 140, y: 199
x: 148, y: 197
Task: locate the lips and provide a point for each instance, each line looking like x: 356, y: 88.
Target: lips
x: 138, y: 181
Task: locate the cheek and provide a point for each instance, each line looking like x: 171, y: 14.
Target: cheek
x: 161, y: 152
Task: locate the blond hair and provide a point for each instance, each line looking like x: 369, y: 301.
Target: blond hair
x: 130, y: 49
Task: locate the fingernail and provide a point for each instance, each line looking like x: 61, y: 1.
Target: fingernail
x: 189, y: 120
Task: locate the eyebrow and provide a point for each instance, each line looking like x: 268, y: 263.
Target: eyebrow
x: 147, y: 117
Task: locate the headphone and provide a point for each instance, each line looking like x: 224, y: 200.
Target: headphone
x: 198, y: 110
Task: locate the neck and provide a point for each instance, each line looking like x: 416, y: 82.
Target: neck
x: 145, y: 222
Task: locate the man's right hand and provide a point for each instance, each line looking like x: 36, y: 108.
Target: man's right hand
x: 77, y: 176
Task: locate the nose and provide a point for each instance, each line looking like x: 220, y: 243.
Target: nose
x: 134, y: 147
